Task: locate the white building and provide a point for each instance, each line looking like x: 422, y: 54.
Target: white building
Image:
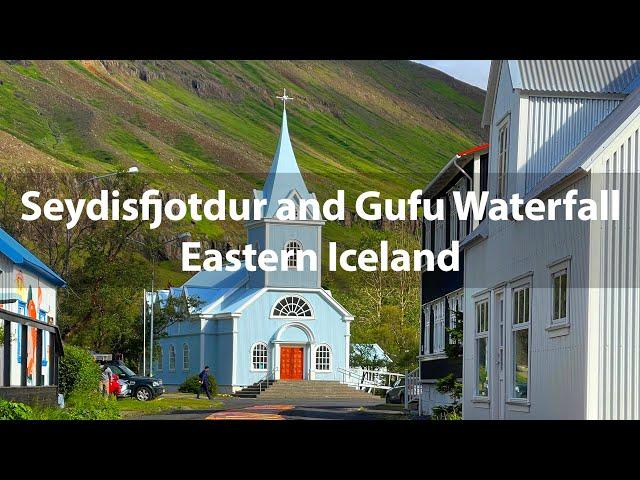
x: 552, y: 308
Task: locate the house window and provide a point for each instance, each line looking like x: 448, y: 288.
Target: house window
x: 427, y: 328
x: 159, y: 360
x: 462, y: 188
x: 438, y: 326
x: 259, y: 356
x: 292, y: 307
x: 293, y: 246
x: 439, y: 238
x: 455, y: 307
x: 482, y: 354
x: 185, y: 357
x: 520, y: 342
x: 559, y: 293
x: 503, y: 156
x: 426, y: 241
x: 323, y: 358
x: 172, y: 358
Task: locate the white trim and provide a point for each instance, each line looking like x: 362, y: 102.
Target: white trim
x: 281, y: 317
x: 305, y: 328
x: 188, y: 357
x: 234, y: 350
x: 522, y: 283
x: 560, y: 326
x: 484, y: 334
x: 315, y: 359
x: 266, y: 346
x: 171, y: 347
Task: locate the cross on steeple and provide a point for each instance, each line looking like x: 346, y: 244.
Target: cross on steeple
x: 284, y: 98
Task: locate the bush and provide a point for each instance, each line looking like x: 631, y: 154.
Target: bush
x: 79, y: 372
x: 447, y: 412
x: 192, y: 385
x: 14, y: 411
x: 82, y: 406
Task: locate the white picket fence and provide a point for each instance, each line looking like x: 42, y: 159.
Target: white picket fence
x: 412, y: 388
x: 369, y: 380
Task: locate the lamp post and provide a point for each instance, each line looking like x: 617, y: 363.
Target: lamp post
x: 181, y: 236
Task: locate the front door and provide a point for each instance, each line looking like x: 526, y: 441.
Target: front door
x: 498, y: 401
x: 291, y: 361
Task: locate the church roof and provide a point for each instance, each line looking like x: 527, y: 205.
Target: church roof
x: 284, y: 176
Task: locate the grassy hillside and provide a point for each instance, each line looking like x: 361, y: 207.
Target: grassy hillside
x: 196, y: 126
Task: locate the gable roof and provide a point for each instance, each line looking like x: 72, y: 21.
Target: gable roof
x: 450, y: 170
x: 19, y: 255
x: 598, y: 77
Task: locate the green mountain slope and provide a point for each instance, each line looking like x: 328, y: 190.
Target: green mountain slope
x: 197, y: 126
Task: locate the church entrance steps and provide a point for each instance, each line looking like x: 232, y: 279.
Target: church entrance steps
x: 306, y: 389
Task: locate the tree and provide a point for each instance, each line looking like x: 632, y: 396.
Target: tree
x: 449, y: 384
x: 365, y: 356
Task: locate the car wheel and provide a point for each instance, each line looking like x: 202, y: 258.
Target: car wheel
x: 143, y: 394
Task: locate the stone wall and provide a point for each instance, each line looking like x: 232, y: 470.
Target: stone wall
x: 44, y: 396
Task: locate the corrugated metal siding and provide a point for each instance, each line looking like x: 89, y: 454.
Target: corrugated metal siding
x: 557, y: 364
x: 619, y: 295
x: 579, y: 76
x: 556, y: 126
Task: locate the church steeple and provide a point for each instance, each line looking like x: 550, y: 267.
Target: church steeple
x: 284, y: 176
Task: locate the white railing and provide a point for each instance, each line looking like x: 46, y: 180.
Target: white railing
x: 369, y: 380
x: 412, y: 388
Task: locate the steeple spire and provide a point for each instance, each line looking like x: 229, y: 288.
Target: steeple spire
x: 284, y: 175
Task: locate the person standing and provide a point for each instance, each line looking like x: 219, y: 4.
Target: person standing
x: 204, y: 382
x: 105, y: 382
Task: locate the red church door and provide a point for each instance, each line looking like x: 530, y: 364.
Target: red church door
x: 291, y: 363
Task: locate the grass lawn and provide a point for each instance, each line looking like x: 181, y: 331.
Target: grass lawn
x: 130, y: 407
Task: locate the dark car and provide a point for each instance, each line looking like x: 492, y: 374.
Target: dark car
x: 396, y: 393
x: 141, y: 387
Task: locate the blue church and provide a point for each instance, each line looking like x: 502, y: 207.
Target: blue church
x: 260, y: 325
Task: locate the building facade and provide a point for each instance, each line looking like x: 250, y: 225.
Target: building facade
x: 551, y: 324
x: 442, y: 293
x: 261, y: 325
x: 31, y: 341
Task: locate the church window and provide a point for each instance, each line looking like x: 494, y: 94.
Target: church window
x: 259, y: 356
x: 159, y: 359
x: 185, y: 357
x: 293, y: 246
x: 323, y: 358
x: 292, y: 307
x: 172, y: 358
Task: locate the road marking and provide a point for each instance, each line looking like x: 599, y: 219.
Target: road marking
x: 256, y: 412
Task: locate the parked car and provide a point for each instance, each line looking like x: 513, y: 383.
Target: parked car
x: 140, y: 387
x: 396, y: 393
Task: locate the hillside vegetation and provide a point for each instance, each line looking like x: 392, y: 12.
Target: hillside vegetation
x: 197, y: 126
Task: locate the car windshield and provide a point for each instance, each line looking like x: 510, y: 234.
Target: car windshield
x: 126, y: 370
x: 399, y: 383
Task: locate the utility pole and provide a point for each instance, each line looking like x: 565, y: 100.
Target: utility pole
x: 144, y: 331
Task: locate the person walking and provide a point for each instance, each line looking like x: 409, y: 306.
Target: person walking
x: 204, y: 382
x: 106, y: 380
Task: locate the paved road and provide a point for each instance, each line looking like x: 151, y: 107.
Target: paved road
x: 302, y: 409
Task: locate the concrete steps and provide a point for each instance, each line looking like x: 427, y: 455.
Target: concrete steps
x: 311, y: 389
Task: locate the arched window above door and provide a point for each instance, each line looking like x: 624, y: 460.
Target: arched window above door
x: 292, y: 307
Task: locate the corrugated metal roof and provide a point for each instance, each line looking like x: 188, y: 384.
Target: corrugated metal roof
x: 19, y: 255
x: 577, y: 76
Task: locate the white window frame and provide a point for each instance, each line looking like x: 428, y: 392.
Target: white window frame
x: 456, y: 298
x: 439, y: 317
x: 521, y: 285
x: 277, y: 302
x: 558, y: 268
x: 481, y: 329
x: 440, y: 236
x: 330, y: 358
x: 296, y: 246
x: 502, y: 157
x: 253, y: 357
x: 186, y: 357
x: 453, y: 214
x: 172, y: 356
x: 426, y: 308
x: 427, y: 234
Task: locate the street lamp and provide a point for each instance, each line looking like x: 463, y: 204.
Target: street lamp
x: 180, y: 236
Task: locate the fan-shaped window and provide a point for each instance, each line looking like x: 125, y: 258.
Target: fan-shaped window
x: 292, y: 307
x: 185, y: 357
x: 292, y: 246
x: 259, y: 356
x: 323, y: 358
x: 172, y: 358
